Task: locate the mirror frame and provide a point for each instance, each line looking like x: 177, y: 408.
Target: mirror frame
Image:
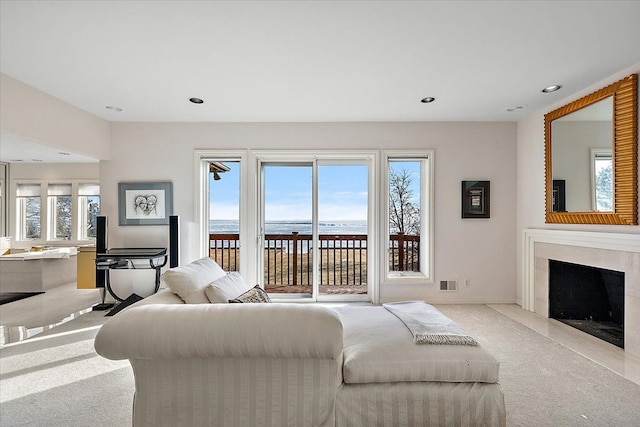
x: 625, y: 156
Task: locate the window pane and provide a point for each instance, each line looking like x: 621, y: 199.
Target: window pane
x: 288, y: 260
x: 89, y: 211
x: 224, y: 214
x: 59, y: 202
x: 32, y: 217
x: 61, y: 217
x: 342, y: 229
x: 604, y: 183
x: 404, y: 215
x: 28, y: 211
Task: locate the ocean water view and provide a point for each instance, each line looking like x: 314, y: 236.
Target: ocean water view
x: 286, y: 227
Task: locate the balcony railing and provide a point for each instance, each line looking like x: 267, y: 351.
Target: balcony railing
x: 342, y: 260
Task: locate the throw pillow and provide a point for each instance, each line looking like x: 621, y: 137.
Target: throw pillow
x: 255, y: 294
x: 225, y: 288
x: 188, y: 281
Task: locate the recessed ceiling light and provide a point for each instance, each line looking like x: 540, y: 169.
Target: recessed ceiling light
x: 427, y: 100
x: 516, y: 108
x: 112, y: 108
x: 550, y: 89
x: 64, y: 153
x: 196, y: 100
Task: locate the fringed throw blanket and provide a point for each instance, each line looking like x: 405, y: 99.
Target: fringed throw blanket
x: 428, y: 325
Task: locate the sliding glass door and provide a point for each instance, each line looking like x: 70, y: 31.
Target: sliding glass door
x: 314, y: 228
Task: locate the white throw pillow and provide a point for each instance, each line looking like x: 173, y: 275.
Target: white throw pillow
x: 188, y: 281
x: 225, y: 288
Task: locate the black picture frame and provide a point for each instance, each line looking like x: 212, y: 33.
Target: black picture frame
x: 145, y: 203
x: 558, y: 198
x: 476, y: 199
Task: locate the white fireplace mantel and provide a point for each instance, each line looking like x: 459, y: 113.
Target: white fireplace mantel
x: 598, y: 240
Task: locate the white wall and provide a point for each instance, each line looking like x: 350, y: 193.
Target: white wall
x: 530, y: 173
x: 30, y: 114
x: 479, y: 250
x: 54, y: 171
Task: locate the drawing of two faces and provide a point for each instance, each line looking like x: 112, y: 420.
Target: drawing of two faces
x: 145, y: 204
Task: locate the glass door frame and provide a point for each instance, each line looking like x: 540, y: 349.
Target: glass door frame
x: 247, y: 237
x: 316, y: 159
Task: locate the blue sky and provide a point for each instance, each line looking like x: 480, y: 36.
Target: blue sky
x: 342, y: 192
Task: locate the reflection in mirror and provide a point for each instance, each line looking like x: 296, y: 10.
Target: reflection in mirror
x: 576, y: 137
x: 591, y: 157
x: 601, y: 179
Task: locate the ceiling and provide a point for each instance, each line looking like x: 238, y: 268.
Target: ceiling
x: 16, y: 150
x: 315, y: 61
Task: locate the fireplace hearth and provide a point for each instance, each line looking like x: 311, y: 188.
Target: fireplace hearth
x: 589, y: 299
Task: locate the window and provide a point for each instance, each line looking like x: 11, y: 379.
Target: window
x: 88, y: 210
x: 311, y: 224
x: 409, y: 194
x: 28, y: 210
x: 69, y: 214
x: 314, y: 226
x: 59, y: 207
x: 224, y: 213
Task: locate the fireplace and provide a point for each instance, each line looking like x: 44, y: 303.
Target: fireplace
x: 588, y: 298
x: 611, y: 251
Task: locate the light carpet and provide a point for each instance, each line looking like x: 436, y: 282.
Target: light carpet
x: 57, y: 379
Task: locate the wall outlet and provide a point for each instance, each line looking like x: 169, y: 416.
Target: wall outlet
x: 467, y: 283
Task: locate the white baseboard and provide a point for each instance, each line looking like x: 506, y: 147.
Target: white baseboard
x: 455, y: 300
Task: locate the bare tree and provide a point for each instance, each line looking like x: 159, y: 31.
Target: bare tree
x: 404, y: 215
x: 604, y: 189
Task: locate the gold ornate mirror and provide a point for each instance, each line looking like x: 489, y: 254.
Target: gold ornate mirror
x: 591, y: 158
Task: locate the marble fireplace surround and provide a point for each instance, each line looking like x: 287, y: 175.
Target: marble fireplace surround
x: 613, y: 251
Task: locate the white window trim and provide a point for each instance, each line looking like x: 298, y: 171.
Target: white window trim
x: 329, y: 157
x: 248, y: 269
x: 45, y: 218
x: 426, y: 205
x: 378, y: 217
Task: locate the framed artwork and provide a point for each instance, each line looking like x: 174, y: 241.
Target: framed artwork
x: 145, y: 203
x: 475, y: 199
x: 558, y: 200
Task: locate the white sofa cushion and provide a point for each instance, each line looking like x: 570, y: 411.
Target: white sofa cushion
x: 188, y: 281
x: 225, y: 288
x: 183, y: 331
x: 378, y: 348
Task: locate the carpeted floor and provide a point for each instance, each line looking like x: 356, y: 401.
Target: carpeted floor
x: 545, y: 383
x: 58, y: 380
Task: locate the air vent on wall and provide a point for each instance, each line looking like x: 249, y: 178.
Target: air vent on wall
x: 448, y: 285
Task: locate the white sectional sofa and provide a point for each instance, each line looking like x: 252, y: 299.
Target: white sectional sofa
x: 294, y: 364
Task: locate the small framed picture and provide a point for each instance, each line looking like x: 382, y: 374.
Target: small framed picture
x: 475, y: 199
x: 145, y: 203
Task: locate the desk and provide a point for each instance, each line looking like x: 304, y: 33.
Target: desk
x: 124, y: 258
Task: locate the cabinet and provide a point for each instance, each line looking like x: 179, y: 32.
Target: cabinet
x: 86, y: 267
